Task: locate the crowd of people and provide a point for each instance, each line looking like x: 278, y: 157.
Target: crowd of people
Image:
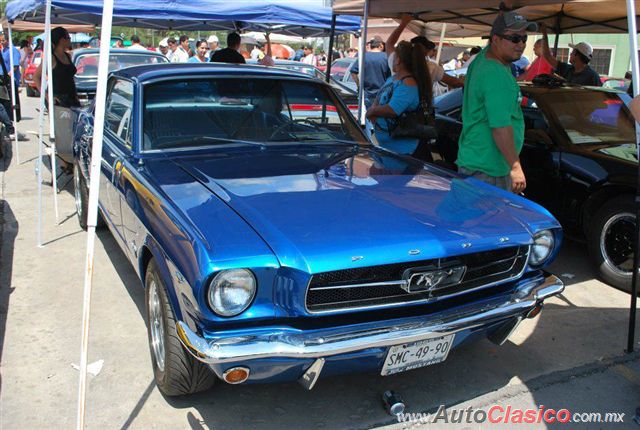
x: 400, y: 78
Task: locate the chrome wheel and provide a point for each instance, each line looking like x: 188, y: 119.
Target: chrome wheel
x: 617, y: 243
x: 156, y: 325
x: 77, y: 192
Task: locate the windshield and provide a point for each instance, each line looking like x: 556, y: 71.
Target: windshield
x: 87, y: 64
x: 223, y: 111
x: 590, y: 117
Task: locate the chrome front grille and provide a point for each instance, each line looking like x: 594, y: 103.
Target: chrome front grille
x: 385, y: 285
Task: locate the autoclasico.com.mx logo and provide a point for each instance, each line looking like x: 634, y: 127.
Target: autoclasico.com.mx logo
x: 498, y: 414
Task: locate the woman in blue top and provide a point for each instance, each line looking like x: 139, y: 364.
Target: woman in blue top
x: 201, y: 52
x: 401, y: 93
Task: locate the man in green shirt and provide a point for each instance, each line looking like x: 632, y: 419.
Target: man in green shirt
x: 493, y: 126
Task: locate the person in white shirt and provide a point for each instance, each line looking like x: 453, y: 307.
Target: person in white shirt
x: 178, y: 54
x: 135, y: 43
x: 214, y: 44
x: 256, y: 52
x: 309, y: 56
x: 163, y: 47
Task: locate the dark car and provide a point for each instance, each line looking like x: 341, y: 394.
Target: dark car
x: 275, y: 242
x: 341, y: 71
x: 86, y: 62
x: 580, y: 160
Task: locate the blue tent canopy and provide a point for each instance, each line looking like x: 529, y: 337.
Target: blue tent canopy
x: 297, y: 18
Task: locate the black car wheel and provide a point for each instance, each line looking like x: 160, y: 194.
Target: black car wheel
x: 176, y: 371
x: 81, y: 194
x: 611, y: 241
x: 32, y: 92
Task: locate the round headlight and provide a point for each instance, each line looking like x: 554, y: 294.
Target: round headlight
x: 231, y: 292
x: 543, y: 243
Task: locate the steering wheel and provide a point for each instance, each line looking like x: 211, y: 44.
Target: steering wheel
x: 288, y: 124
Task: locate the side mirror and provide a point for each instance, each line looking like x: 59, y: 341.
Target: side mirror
x: 538, y: 138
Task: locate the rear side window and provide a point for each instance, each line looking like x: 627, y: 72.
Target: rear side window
x: 118, y: 111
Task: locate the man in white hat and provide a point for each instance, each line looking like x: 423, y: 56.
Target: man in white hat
x: 214, y: 44
x: 164, y: 46
x: 577, y: 70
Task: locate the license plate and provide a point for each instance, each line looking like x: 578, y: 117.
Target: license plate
x: 417, y: 354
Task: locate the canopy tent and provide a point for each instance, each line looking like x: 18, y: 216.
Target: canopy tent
x: 296, y: 18
x: 36, y: 26
x: 568, y: 16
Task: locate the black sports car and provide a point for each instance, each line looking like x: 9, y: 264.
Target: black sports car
x: 580, y: 160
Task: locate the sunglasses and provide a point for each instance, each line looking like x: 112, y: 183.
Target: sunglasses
x: 514, y: 38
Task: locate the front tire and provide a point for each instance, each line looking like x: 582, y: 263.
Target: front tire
x: 611, y: 242
x: 176, y: 371
x: 31, y: 92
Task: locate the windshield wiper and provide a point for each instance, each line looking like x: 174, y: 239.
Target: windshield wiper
x: 202, y: 139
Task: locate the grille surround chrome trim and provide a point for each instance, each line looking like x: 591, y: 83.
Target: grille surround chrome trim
x: 414, y: 302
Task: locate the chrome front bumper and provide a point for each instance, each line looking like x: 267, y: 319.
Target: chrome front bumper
x: 283, y: 342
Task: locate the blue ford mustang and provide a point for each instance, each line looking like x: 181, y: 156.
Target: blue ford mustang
x: 275, y: 242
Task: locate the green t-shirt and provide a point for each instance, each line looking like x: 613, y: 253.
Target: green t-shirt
x: 491, y: 100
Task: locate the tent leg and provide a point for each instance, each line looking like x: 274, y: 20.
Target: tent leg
x: 363, y: 49
x: 13, y: 93
x: 635, y: 68
x: 43, y: 83
x: 94, y: 189
x: 54, y: 180
x: 440, y: 42
x: 332, y: 38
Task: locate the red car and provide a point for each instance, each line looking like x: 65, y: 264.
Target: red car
x: 34, y: 62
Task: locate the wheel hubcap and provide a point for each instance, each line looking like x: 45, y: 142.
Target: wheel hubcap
x: 76, y: 191
x: 617, y: 243
x: 156, y: 325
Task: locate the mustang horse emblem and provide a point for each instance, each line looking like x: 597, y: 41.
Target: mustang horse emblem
x: 418, y: 281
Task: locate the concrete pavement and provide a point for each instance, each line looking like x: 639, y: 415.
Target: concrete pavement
x: 570, y: 357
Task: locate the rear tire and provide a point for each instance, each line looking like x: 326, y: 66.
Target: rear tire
x: 176, y: 371
x: 611, y: 243
x: 81, y: 195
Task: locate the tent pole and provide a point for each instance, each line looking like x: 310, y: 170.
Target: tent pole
x: 332, y: 38
x: 442, y: 33
x: 14, y: 105
x: 52, y: 134
x: 635, y: 70
x: 94, y: 189
x: 43, y: 83
x: 363, y: 49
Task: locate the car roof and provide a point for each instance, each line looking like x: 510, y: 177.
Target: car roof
x: 537, y: 89
x: 152, y: 71
x: 84, y: 51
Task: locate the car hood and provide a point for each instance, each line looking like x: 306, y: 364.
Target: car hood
x: 626, y: 152
x: 332, y: 208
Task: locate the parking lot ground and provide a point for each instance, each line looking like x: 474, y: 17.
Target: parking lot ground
x: 571, y: 356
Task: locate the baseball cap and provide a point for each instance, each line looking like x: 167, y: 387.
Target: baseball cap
x: 512, y: 21
x: 584, y: 48
x: 163, y: 43
x: 213, y: 39
x: 428, y: 45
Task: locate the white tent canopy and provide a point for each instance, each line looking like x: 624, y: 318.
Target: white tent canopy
x: 569, y: 16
